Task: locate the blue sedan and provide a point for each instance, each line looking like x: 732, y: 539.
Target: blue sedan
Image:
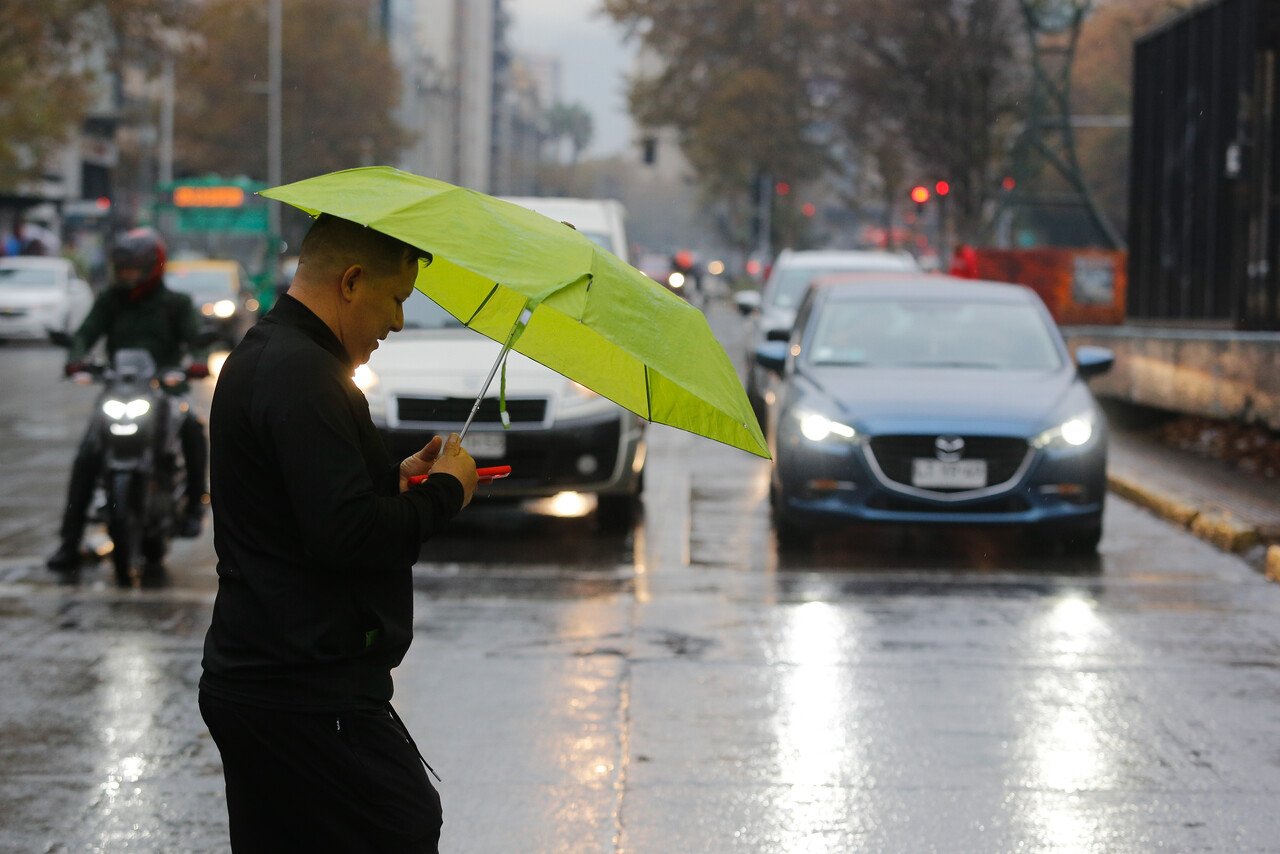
x: 927, y: 400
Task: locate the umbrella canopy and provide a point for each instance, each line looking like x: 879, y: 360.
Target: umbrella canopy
x: 550, y: 293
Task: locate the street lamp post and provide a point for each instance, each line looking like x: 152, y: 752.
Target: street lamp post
x: 274, y: 113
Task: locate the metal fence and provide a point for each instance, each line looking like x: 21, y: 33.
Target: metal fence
x: 1204, y: 228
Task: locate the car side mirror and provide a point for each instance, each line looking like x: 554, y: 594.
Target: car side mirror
x: 748, y: 302
x: 1094, y: 361
x: 777, y: 335
x: 772, y: 356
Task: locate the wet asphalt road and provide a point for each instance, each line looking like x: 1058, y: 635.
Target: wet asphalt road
x: 684, y: 687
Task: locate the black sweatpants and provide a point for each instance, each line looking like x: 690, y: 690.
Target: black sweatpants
x: 346, y: 782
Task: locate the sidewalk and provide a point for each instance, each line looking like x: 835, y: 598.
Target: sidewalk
x: 1233, y: 510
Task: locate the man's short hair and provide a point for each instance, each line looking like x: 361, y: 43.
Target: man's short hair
x: 338, y: 243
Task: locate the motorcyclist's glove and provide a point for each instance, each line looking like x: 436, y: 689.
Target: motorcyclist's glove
x: 197, y: 370
x: 73, y: 368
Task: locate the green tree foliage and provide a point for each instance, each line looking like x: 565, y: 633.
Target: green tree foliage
x: 339, y: 90
x: 55, y: 52
x: 734, y: 78
x: 572, y: 122
x: 903, y: 89
x: 938, y: 81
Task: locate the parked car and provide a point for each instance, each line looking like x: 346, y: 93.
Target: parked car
x: 221, y: 293
x: 563, y: 437
x: 773, y: 310
x: 39, y: 294
x: 930, y: 400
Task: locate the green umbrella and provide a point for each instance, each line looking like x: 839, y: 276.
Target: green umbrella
x: 541, y: 288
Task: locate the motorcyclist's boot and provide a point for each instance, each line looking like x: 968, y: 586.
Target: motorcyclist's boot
x: 84, y: 473
x: 153, y: 574
x: 66, y: 560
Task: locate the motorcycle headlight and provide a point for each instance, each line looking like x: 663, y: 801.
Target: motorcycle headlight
x: 676, y: 280
x: 817, y: 427
x: 118, y: 409
x: 1073, y: 433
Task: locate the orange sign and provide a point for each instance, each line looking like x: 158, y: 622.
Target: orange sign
x: 208, y: 197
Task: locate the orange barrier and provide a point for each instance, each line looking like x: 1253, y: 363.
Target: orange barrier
x: 1081, y: 287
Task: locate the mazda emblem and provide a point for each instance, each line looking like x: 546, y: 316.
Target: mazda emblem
x: 949, y: 449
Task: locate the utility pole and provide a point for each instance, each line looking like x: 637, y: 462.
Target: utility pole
x: 166, y: 116
x: 1053, y: 31
x: 274, y: 115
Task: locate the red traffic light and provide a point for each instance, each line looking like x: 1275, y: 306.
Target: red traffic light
x: 920, y: 194
x: 809, y: 209
x: 1008, y: 183
x: 782, y: 188
x: 942, y: 188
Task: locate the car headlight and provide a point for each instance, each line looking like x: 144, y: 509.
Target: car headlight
x: 224, y: 308
x: 1073, y: 433
x: 366, y: 379
x: 578, y: 401
x: 817, y: 427
x: 118, y: 409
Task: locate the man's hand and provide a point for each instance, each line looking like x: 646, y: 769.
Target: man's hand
x: 447, y: 457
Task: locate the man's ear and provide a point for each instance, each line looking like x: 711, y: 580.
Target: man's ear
x: 351, y: 277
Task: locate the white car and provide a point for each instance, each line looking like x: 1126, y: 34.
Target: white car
x: 773, y: 311
x: 562, y: 436
x: 39, y: 294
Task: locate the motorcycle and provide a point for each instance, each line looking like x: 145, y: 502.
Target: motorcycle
x: 142, y: 482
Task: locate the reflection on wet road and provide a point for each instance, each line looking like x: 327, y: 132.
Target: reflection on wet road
x: 686, y: 687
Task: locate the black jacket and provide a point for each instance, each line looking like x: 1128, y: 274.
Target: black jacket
x: 314, y: 540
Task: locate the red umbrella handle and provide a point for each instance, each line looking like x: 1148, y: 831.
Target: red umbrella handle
x: 487, y: 474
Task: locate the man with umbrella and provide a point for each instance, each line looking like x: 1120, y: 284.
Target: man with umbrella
x: 316, y: 532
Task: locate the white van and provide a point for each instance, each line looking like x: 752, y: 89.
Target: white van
x: 562, y: 436
x: 602, y: 220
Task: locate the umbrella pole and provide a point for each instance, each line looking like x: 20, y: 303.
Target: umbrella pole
x: 475, y: 407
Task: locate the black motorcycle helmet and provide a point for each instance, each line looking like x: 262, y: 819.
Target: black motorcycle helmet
x: 140, y: 249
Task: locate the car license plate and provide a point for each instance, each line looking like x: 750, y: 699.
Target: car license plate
x: 936, y: 474
x: 486, y: 445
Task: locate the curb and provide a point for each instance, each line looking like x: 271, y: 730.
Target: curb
x: 1221, y: 529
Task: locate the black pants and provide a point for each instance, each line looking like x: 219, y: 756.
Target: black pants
x: 88, y: 463
x: 349, y: 782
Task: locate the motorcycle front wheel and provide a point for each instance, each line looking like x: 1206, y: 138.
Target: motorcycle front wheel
x: 124, y: 525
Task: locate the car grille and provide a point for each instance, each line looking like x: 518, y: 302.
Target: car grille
x: 1004, y: 454
x: 454, y: 410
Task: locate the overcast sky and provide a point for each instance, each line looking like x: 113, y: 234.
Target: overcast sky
x: 594, y: 61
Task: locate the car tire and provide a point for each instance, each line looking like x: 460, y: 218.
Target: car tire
x: 790, y: 536
x: 1082, y: 542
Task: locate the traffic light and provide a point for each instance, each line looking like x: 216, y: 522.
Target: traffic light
x: 919, y: 195
x: 942, y: 188
x: 782, y: 188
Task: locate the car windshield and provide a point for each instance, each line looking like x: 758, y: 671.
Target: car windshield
x: 201, y: 285
x: 918, y: 334
x: 420, y: 312
x: 599, y: 238
x: 788, y: 284
x: 27, y: 277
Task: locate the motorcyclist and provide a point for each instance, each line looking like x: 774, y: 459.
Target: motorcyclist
x: 136, y: 311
